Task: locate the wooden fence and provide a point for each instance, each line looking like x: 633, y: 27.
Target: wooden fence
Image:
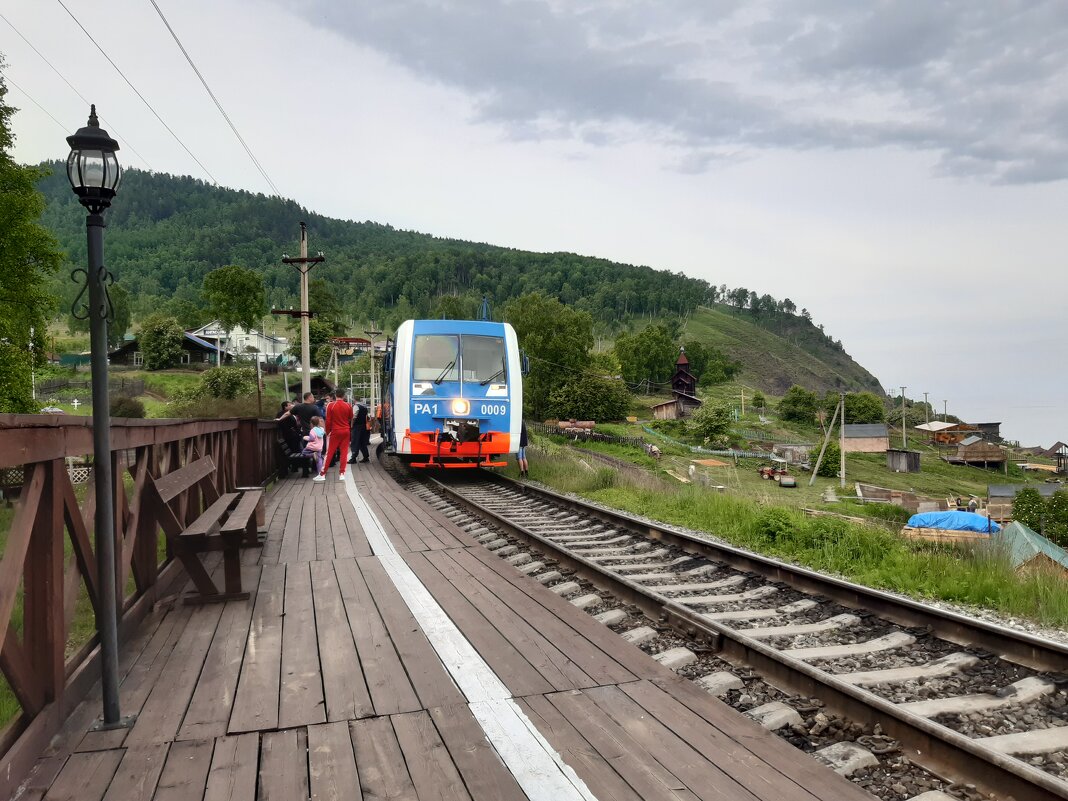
x: 587, y: 436
x: 44, y: 575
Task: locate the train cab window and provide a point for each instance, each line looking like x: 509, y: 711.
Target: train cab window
x: 437, y: 358
x: 484, y: 359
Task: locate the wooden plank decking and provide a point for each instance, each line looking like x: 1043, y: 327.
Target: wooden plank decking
x: 324, y: 684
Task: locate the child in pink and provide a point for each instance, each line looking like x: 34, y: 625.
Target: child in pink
x: 314, y: 448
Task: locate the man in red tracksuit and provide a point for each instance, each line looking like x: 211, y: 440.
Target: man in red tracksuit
x: 338, y: 430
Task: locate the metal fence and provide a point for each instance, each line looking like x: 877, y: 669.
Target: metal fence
x: 588, y: 436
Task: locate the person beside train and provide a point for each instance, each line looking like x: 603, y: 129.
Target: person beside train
x: 338, y: 431
x: 361, y: 434
x: 521, y: 454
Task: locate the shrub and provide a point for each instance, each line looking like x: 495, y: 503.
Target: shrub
x: 590, y: 397
x: 228, y: 382
x: 775, y: 524
x: 759, y: 401
x: 711, y: 422
x: 123, y: 406
x: 832, y: 461
x: 1029, y: 508
x: 222, y: 392
x: 1056, y: 527
x: 799, y: 405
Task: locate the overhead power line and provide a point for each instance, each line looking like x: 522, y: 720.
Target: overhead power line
x: 215, y: 100
x: 27, y: 94
x: 136, y: 92
x: 73, y: 89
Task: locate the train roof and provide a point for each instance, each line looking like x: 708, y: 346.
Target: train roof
x: 459, y: 327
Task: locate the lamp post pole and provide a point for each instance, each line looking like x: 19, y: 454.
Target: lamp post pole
x: 904, y: 428
x: 102, y: 475
x: 94, y: 174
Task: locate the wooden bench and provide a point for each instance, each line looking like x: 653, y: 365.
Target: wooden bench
x: 294, y: 459
x: 228, y: 524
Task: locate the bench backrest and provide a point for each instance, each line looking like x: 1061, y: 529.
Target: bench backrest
x: 174, y: 484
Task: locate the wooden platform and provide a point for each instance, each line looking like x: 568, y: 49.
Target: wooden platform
x: 333, y: 683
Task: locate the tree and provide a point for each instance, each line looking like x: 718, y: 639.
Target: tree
x: 719, y: 368
x: 711, y: 422
x: 650, y: 354
x: 590, y: 397
x: 452, y: 307
x: 28, y: 256
x: 556, y: 338
x: 799, y: 405
x: 319, y: 334
x: 327, y: 308
x: 861, y: 407
x: 235, y: 296
x: 160, y: 342
x: 698, y: 355
x: 759, y: 401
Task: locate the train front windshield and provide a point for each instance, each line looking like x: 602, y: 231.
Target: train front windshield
x: 438, y: 358
x: 483, y: 359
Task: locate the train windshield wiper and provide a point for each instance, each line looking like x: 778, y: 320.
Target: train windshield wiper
x: 445, y: 372
x: 499, y: 374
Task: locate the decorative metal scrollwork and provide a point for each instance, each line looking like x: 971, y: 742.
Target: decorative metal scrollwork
x: 80, y: 308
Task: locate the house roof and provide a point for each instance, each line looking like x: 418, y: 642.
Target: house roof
x: 1010, y: 490
x: 683, y: 396
x: 682, y: 357
x: 865, y: 430
x: 671, y: 402
x: 935, y: 425
x: 202, y: 342
x: 972, y: 440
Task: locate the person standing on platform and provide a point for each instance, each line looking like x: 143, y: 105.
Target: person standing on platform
x: 361, y: 434
x: 338, y: 430
x: 521, y: 454
x: 305, y: 411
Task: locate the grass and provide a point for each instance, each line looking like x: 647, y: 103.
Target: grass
x: 869, y: 554
x: 770, y: 360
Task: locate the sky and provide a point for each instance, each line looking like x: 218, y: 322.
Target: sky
x: 898, y: 168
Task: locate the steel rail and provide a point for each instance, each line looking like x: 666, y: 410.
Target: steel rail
x: 935, y: 747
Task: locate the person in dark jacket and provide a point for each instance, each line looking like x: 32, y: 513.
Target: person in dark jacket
x: 361, y: 434
x: 521, y: 455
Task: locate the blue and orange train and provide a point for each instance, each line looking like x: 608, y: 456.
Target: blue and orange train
x: 455, y: 393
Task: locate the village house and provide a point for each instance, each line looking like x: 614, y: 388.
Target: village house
x: 194, y: 351
x: 243, y: 343
x: 866, y: 438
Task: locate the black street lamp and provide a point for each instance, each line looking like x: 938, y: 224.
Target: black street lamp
x: 94, y: 175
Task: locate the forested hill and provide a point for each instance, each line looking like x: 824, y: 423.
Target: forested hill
x: 165, y: 233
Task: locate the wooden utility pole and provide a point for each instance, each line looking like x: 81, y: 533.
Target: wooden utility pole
x: 945, y: 411
x: 904, y: 435
x: 304, y: 265
x: 823, y: 448
x: 926, y: 410
x: 841, y: 444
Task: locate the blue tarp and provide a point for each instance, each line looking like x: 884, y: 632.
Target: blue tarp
x: 954, y: 521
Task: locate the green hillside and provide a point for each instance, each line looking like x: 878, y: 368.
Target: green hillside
x: 166, y: 233
x: 774, y: 363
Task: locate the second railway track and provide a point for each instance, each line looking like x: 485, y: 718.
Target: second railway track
x: 944, y: 686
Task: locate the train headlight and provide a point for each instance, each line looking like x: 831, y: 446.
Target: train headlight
x: 461, y: 406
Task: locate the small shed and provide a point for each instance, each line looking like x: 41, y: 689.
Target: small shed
x: 1031, y: 552
x: 902, y: 461
x: 793, y: 454
x: 194, y: 351
x: 866, y: 437
x: 668, y: 410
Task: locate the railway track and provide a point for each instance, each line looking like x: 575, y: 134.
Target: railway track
x: 816, y: 658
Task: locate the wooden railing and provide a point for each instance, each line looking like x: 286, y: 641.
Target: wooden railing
x: 48, y: 562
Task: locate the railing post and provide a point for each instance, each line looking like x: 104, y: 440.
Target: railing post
x: 44, y: 627
x: 249, y: 473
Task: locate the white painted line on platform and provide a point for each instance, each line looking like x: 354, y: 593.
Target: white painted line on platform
x: 540, y: 771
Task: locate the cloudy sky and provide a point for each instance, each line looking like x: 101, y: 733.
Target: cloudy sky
x: 899, y: 168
